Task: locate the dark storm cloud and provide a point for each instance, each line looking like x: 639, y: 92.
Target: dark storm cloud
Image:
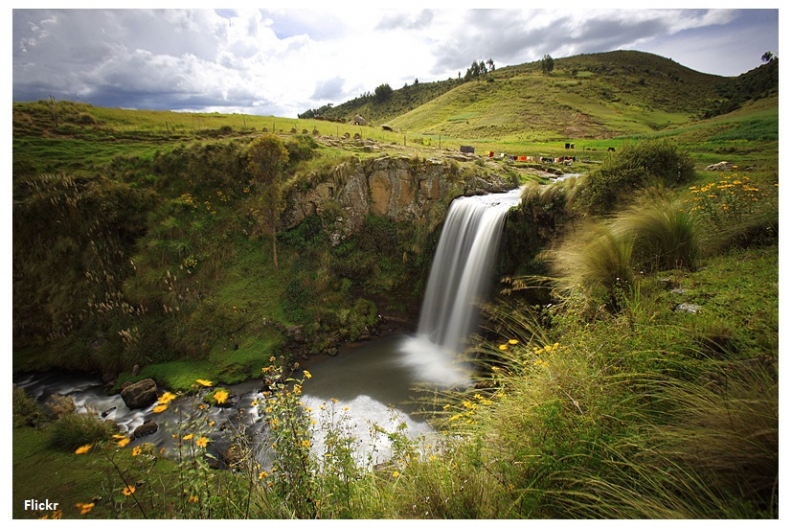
x: 131, y: 58
x: 421, y: 20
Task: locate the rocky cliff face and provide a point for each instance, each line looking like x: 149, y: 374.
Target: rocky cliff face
x: 399, y: 188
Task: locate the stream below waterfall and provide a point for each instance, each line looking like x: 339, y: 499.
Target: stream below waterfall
x: 372, y: 383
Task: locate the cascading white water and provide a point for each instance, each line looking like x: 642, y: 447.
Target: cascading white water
x: 461, y: 272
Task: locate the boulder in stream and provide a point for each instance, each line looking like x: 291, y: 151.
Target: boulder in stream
x: 141, y: 394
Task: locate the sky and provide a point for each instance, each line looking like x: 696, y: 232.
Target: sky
x: 288, y: 57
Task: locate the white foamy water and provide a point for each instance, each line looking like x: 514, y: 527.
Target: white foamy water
x: 461, y: 274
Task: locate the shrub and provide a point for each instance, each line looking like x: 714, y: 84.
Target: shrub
x: 25, y: 409
x: 73, y: 430
x: 635, y: 167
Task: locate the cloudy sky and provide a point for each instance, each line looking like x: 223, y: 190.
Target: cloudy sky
x: 288, y: 57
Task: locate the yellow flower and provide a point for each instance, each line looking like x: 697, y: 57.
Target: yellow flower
x: 57, y: 514
x: 262, y: 475
x: 503, y: 347
x: 166, y: 398
x: 136, y: 451
x: 307, y: 374
x: 129, y: 490
x: 124, y: 441
x: 221, y: 396
x: 513, y: 341
x: 306, y: 443
x: 192, y: 498
x: 188, y: 437
x: 346, y: 408
x: 83, y: 449
x: 201, y: 442
x: 396, y: 474
x: 160, y: 408
x: 85, y: 508
x: 203, y: 382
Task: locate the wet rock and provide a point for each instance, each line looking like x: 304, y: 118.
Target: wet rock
x: 147, y: 428
x: 141, y: 394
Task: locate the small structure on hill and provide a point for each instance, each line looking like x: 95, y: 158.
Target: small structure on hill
x: 358, y: 120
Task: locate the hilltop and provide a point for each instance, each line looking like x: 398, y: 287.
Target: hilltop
x: 596, y: 96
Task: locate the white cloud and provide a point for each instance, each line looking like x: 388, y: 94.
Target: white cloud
x: 289, y: 60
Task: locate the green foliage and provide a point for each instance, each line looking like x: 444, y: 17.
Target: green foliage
x: 382, y: 93
x: 758, y: 83
x: 24, y: 409
x: 74, y: 430
x: 736, y: 211
x: 267, y: 157
x: 633, y: 168
x: 547, y: 64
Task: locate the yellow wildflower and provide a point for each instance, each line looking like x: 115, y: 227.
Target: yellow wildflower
x: 306, y: 443
x: 124, y: 441
x: 129, y: 490
x: 221, y: 396
x: 503, y: 347
x: 396, y: 474
x: 263, y: 475
x: 85, y: 508
x: 160, y: 408
x: 192, y: 498
x: 203, y: 382
x: 57, y: 514
x: 513, y: 341
x: 136, y: 451
x: 202, y: 442
x: 83, y: 449
x: 306, y: 374
x: 166, y: 398
x: 188, y: 437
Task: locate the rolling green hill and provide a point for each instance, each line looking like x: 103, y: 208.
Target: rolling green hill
x: 595, y: 96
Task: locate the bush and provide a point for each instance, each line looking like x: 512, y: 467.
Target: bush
x: 25, y: 409
x: 71, y: 431
x: 635, y: 167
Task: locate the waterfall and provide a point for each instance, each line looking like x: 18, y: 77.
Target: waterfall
x: 460, y: 276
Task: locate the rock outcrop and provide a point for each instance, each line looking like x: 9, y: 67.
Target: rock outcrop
x: 399, y: 188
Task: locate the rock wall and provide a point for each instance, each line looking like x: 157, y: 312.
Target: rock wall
x: 399, y: 188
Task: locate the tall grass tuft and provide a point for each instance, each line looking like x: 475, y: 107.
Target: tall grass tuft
x: 665, y: 235
x: 594, y: 267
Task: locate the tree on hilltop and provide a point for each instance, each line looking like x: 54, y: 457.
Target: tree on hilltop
x: 547, y: 64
